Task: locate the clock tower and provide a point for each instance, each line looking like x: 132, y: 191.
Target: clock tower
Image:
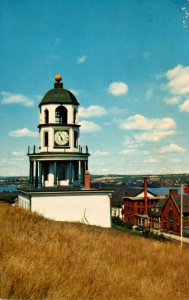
x: 60, y: 160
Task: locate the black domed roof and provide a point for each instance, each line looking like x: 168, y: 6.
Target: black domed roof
x: 59, y: 95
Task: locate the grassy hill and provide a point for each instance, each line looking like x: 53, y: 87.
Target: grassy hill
x: 43, y: 259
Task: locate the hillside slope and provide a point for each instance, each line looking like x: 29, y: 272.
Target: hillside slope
x: 42, y: 259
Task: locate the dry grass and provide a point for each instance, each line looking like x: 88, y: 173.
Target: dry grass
x: 42, y: 259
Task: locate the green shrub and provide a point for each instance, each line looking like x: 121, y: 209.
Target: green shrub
x: 147, y: 233
x: 118, y: 222
x: 9, y: 199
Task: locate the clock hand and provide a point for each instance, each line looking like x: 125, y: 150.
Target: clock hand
x: 60, y: 136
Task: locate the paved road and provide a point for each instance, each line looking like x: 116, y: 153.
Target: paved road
x: 176, y: 237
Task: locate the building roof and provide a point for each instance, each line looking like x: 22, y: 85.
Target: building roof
x: 120, y: 193
x: 177, y: 200
x: 61, y: 190
x: 158, y: 207
x: 58, y: 95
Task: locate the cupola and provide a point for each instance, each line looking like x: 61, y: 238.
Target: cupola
x: 58, y: 95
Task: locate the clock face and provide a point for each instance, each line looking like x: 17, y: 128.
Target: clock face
x: 61, y: 138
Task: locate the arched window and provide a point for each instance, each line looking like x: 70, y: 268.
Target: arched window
x: 171, y: 220
x: 61, y: 115
x: 46, y: 116
x: 74, y: 116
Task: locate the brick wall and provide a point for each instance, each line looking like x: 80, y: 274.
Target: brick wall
x: 170, y: 217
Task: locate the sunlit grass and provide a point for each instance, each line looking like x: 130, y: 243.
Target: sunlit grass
x: 42, y: 259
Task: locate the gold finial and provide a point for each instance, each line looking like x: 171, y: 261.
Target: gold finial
x: 58, y: 77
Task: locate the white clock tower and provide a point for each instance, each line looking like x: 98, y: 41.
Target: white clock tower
x: 60, y: 160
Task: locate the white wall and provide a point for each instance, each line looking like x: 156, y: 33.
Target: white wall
x: 50, y: 147
x: 93, y: 209
x: 52, y: 107
x: 116, y: 212
x: 70, y: 112
x: 24, y: 201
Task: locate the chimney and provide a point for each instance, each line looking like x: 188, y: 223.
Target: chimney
x: 173, y: 192
x: 87, y: 180
x: 145, y: 196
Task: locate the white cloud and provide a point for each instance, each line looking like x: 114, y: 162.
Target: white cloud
x: 23, y: 132
x: 118, y: 111
x: 15, y: 153
x: 75, y: 92
x: 178, y: 80
x: 128, y: 151
x: 132, y: 143
x: 81, y: 59
x: 88, y: 127
x: 172, y: 100
x: 171, y: 148
x: 139, y: 122
x: 153, y: 129
x: 150, y: 160
x: 100, y: 153
x: 118, y: 88
x: 174, y: 159
x: 92, y: 111
x: 9, y: 98
x: 177, y: 86
x: 184, y: 106
x: 154, y: 136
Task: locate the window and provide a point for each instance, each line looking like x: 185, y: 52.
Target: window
x: 61, y: 115
x: 46, y: 116
x: 171, y: 220
x: 61, y: 171
x: 46, y: 139
x: 46, y: 172
x: 75, y: 139
x: 74, y: 116
x: 138, y: 210
x: 76, y: 171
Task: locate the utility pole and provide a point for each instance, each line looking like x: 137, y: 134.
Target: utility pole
x: 181, y: 213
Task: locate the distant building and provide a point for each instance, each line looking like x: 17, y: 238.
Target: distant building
x: 59, y: 180
x: 141, y: 207
x: 166, y: 215
x: 133, y: 204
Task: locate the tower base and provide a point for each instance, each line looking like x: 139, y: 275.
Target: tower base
x: 92, y: 207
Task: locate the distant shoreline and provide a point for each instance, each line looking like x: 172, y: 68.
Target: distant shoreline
x: 163, y: 190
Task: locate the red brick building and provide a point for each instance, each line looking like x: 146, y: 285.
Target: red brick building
x: 138, y: 205
x: 136, y: 210
x: 165, y: 215
x: 133, y: 204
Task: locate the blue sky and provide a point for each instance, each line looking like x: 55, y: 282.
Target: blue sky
x: 127, y: 62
